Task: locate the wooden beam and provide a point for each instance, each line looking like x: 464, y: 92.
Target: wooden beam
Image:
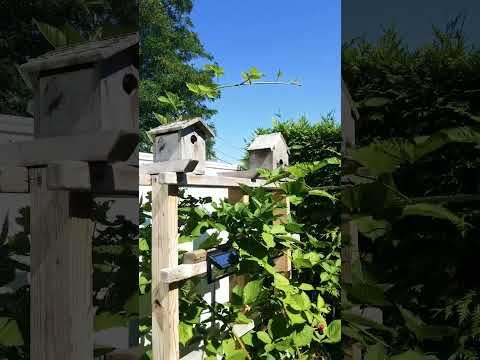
x: 180, y: 166
x: 14, y: 179
x: 236, y: 195
x: 193, y: 180
x: 194, y: 257
x: 182, y: 272
x: 246, y: 174
x: 61, y: 282
x: 165, y: 302
x: 98, y: 178
x: 102, y: 146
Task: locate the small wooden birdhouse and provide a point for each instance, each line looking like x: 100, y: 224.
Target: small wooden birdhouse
x: 86, y: 88
x: 268, y: 151
x: 182, y: 140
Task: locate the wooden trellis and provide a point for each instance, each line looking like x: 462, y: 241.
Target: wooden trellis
x: 165, y: 179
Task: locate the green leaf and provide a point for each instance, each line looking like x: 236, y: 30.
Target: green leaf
x: 375, y: 352
x: 54, y: 36
x: 268, y: 240
x: 108, y: 320
x: 251, y: 291
x: 217, y: 70
x: 434, y: 211
x: 264, y: 337
x: 371, y: 228
x: 143, y: 245
x: 376, y: 102
x: 278, y: 229
x: 281, y: 282
x: 299, y: 302
x: 185, y: 332
x: 306, y: 287
x: 304, y: 337
x: 322, y: 193
x: 334, y: 331
x: 10, y: 334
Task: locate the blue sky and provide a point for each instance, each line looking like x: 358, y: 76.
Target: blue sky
x: 300, y: 38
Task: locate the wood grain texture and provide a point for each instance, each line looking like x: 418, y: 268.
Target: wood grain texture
x: 193, y: 180
x: 14, y: 180
x: 182, y: 272
x: 236, y: 195
x: 100, y: 146
x: 61, y: 276
x: 165, y: 302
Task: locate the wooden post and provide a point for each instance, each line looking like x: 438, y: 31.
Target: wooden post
x: 349, y: 230
x: 235, y: 195
x: 165, y: 302
x: 283, y: 263
x: 61, y: 275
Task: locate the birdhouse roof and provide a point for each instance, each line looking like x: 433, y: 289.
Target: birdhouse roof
x: 268, y: 141
x: 84, y: 53
x: 180, y: 125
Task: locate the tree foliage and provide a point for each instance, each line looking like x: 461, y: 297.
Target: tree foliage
x: 414, y: 191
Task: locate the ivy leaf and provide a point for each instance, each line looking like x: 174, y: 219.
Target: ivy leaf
x: 185, y: 332
x: 251, y: 291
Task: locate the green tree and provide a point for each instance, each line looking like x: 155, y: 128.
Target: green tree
x: 168, y: 47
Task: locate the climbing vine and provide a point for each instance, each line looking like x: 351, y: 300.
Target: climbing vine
x: 292, y: 317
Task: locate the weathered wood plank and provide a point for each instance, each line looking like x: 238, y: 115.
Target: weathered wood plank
x: 14, y: 179
x: 61, y: 282
x: 246, y: 174
x: 236, y: 195
x: 165, y: 307
x: 69, y: 175
x: 181, y: 166
x: 182, y: 272
x: 99, y: 178
x: 196, y: 256
x: 101, y: 146
x: 193, y: 180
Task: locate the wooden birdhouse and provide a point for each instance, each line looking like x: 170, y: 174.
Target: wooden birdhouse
x: 268, y: 151
x: 86, y: 88
x: 182, y: 140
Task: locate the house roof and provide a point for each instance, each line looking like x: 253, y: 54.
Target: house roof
x: 87, y: 52
x: 268, y: 141
x: 180, y: 125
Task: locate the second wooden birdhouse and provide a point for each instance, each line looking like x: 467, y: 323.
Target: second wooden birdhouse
x: 268, y: 151
x: 182, y: 140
